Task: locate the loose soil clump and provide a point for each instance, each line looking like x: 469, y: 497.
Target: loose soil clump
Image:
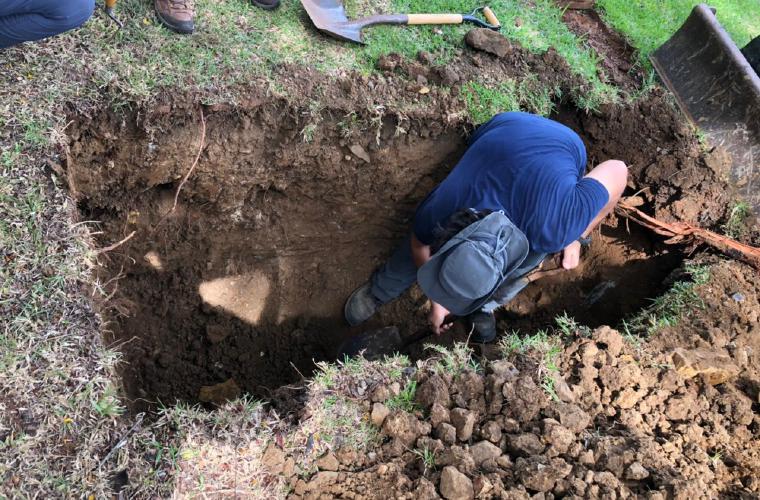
x: 621, y: 423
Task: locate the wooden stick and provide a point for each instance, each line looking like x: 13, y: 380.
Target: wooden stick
x: 683, y: 232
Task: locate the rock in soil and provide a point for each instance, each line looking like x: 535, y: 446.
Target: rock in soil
x: 455, y: 485
x: 716, y: 367
x: 328, y: 463
x: 484, y: 450
x: 379, y: 412
x: 219, y: 393
x: 488, y: 41
x: 463, y: 421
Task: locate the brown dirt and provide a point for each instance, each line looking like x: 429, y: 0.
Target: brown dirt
x: 616, y: 54
x: 284, y: 216
x: 625, y: 423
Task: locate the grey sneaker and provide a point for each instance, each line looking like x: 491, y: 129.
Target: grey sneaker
x: 361, y: 305
x: 484, y: 327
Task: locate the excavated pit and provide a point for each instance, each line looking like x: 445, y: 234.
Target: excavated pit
x: 247, y: 277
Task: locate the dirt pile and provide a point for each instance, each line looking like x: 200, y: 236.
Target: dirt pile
x: 622, y: 423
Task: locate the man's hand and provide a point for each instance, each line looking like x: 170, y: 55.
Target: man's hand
x: 436, y: 317
x: 571, y: 255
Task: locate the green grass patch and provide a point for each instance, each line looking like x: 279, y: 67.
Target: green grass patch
x: 405, y: 398
x: 544, y: 349
x: 649, y: 23
x: 484, y: 100
x: 668, y: 309
x: 736, y: 225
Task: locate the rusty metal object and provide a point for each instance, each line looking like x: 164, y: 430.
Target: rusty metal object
x: 329, y: 16
x: 719, y: 92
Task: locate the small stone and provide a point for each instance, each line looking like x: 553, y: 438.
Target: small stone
x: 491, y: 431
x: 503, y: 369
x: 328, y: 462
x: 379, y: 412
x: 463, y: 421
x: 273, y: 459
x: 379, y: 394
x: 738, y: 297
x: 433, y: 391
x: 446, y: 433
x: 717, y: 368
x: 438, y: 415
x: 424, y: 90
x: 402, y: 426
x: 636, y: 472
x: 525, y: 444
x: 488, y: 41
x: 359, y: 152
x: 455, y: 485
x: 484, y: 450
x: 219, y: 393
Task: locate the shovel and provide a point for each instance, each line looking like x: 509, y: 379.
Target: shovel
x: 375, y: 344
x: 329, y: 16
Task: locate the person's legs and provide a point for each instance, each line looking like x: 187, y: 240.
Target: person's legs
x: 397, y: 274
x: 483, y: 322
x: 388, y: 282
x: 29, y: 20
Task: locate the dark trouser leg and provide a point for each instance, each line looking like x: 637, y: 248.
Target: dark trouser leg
x: 27, y: 20
x: 397, y: 274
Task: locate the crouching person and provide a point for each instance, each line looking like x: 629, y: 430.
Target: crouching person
x: 519, y: 193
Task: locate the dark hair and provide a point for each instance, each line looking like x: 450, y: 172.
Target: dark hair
x: 455, y: 223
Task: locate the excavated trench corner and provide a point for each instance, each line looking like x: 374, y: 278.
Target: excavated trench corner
x: 246, y: 278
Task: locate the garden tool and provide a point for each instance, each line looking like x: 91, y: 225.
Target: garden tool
x: 108, y: 7
x: 329, y: 16
x: 718, y: 91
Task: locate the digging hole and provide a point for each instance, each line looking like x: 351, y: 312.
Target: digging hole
x: 247, y: 278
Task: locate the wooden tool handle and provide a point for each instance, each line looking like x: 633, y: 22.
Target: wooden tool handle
x: 435, y: 18
x: 110, y: 4
x: 491, y: 17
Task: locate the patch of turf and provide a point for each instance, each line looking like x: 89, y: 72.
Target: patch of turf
x: 668, y: 309
x: 649, y: 23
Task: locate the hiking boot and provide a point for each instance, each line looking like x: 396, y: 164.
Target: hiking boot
x: 266, y: 4
x: 177, y: 15
x: 361, y: 305
x: 483, y: 326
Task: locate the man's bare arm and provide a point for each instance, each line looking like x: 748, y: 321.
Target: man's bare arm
x: 613, y: 175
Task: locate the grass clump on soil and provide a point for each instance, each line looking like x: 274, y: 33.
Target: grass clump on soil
x: 736, y: 225
x: 404, y: 400
x: 542, y: 348
x: 484, y: 100
x: 453, y: 360
x: 668, y: 309
x: 649, y: 23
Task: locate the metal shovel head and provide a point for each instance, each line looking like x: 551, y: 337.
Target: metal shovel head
x: 330, y: 16
x: 719, y: 92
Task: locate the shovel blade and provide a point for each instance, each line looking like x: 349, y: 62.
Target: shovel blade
x: 329, y: 16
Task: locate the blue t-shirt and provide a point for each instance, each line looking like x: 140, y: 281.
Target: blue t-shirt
x: 529, y: 167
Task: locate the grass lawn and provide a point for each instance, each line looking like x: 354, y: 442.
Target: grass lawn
x: 649, y: 23
x: 55, y: 373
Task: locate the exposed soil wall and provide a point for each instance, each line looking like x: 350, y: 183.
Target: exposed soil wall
x: 293, y: 205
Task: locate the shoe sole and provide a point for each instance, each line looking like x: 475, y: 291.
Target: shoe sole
x: 265, y: 7
x: 172, y: 27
